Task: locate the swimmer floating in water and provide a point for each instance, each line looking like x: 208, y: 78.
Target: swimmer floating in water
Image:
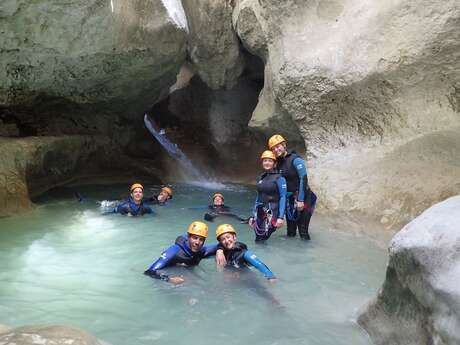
x: 134, y: 205
x: 161, y: 199
x: 237, y: 254
x: 187, y: 250
x: 219, y: 209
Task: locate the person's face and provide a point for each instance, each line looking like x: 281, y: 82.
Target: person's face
x: 228, y: 240
x: 137, y: 194
x: 196, y: 242
x: 163, y: 196
x: 218, y: 201
x: 279, y: 150
x: 268, y: 164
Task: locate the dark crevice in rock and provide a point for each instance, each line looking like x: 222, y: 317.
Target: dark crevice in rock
x: 211, y: 126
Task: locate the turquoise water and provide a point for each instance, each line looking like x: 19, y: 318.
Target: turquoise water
x: 66, y: 263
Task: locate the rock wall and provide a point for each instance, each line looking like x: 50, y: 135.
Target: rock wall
x: 419, y: 302
x: 47, y: 335
x: 212, y: 44
x: 28, y: 166
x: 116, y: 55
x: 373, y: 87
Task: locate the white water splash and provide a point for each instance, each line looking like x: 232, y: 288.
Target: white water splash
x: 209, y: 185
x: 175, y: 152
x: 176, y: 12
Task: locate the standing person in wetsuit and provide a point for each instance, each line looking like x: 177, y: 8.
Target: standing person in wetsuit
x: 134, y: 205
x: 187, y: 250
x: 301, y: 200
x: 237, y: 254
x: 270, y: 203
x: 161, y: 199
x: 219, y: 209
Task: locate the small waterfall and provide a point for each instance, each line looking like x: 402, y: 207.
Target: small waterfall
x: 175, y: 152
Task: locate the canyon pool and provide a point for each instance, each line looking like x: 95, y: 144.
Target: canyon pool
x: 66, y: 262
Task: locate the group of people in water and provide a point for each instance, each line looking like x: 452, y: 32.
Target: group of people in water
x: 282, y: 192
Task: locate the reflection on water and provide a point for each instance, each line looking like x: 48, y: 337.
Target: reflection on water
x: 67, y: 263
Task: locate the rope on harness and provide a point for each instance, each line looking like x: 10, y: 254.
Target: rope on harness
x: 262, y: 224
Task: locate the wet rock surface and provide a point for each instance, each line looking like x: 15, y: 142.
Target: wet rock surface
x: 419, y: 302
x: 48, y: 335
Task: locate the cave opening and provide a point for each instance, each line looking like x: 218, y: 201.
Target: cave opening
x: 211, y: 126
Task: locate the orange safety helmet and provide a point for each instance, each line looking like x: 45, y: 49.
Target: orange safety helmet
x: 167, y: 190
x: 268, y: 154
x: 136, y: 185
x: 223, y: 229
x: 275, y: 140
x: 198, y: 228
x: 218, y: 195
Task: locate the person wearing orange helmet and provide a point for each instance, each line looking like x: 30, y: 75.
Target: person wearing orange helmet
x: 218, y: 208
x: 301, y: 200
x: 270, y: 203
x: 237, y: 254
x: 134, y: 205
x: 163, y: 197
x: 187, y: 250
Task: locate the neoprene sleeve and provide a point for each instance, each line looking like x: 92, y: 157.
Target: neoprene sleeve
x: 299, y: 165
x: 253, y: 260
x: 162, y: 262
x: 282, y: 190
x: 209, y: 250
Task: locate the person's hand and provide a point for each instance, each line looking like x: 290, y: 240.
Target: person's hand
x: 300, y: 205
x: 279, y: 222
x: 272, y: 281
x: 176, y: 280
x: 220, y: 258
x: 251, y: 221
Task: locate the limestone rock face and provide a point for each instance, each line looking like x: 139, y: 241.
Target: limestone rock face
x: 212, y: 44
x: 114, y: 55
x: 31, y: 165
x: 419, y: 303
x: 364, y: 83
x: 248, y: 24
x: 48, y: 335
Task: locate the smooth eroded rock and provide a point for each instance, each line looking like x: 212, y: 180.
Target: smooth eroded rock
x: 363, y: 82
x: 419, y: 303
x: 116, y: 55
x: 212, y: 44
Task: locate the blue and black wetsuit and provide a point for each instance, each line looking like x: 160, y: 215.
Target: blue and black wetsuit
x: 270, y: 203
x: 294, y: 170
x: 240, y: 256
x: 179, y: 253
x: 130, y: 207
x: 221, y: 210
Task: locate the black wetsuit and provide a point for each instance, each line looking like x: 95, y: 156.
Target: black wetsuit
x: 179, y: 253
x: 221, y: 210
x: 240, y: 256
x: 270, y: 204
x: 129, y: 207
x: 294, y: 170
